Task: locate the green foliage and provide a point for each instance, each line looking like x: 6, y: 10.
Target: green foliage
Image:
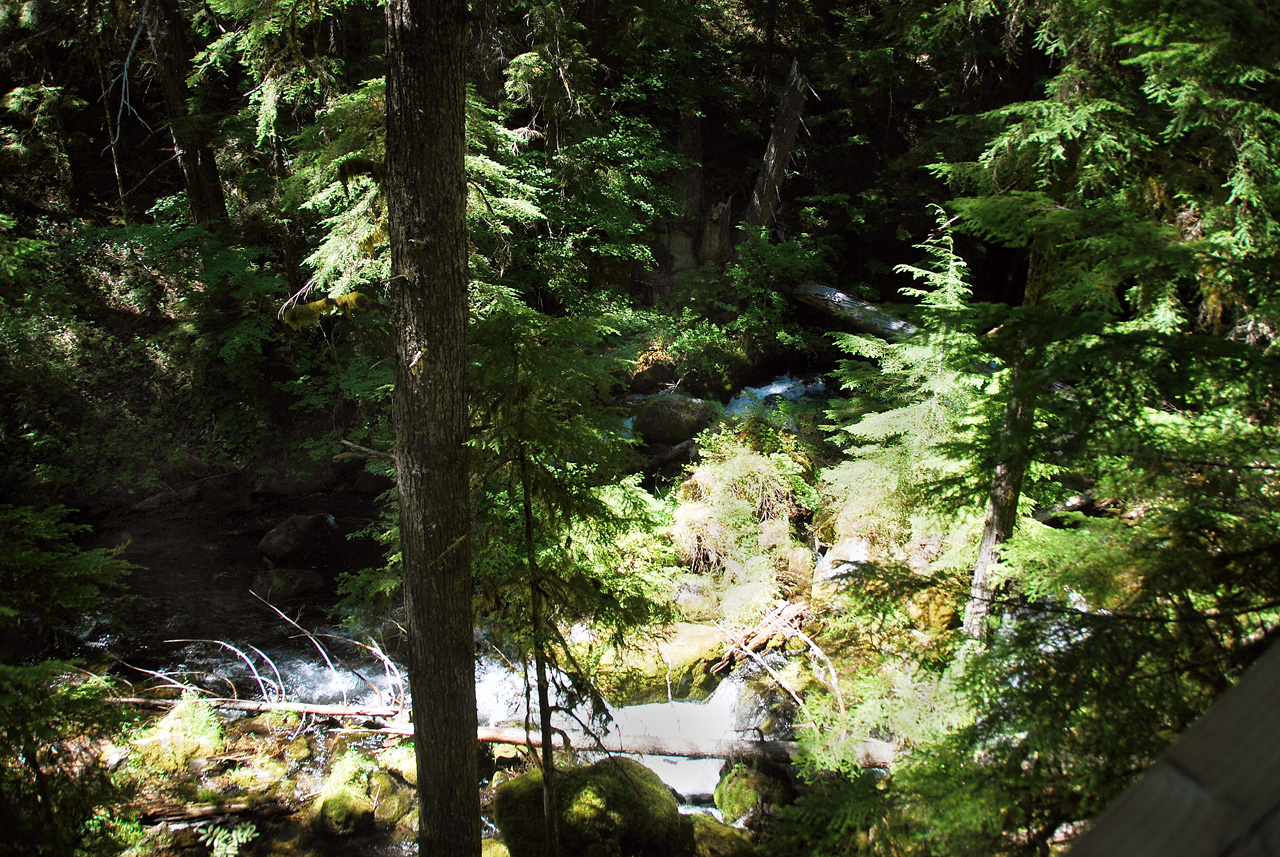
x: 45, y: 578
x: 925, y: 389
x: 227, y: 841
x: 56, y: 799
x: 548, y: 433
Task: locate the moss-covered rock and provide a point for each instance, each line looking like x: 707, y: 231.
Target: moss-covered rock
x: 746, y: 792
x: 614, y: 808
x: 179, y: 741
x: 401, y: 762
x: 671, y: 419
x: 677, y: 662
x: 298, y: 750
x: 493, y: 848
x: 391, y: 800
x: 344, y: 805
x: 716, y: 839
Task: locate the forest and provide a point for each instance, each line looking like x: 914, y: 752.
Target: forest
x: 907, y: 367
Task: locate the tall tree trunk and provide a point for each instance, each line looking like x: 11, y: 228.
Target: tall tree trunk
x: 425, y: 187
x: 1006, y: 490
x: 1013, y: 443
x: 777, y: 157
x: 168, y: 33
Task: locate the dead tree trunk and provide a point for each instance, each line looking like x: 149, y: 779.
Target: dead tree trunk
x: 786, y: 127
x: 859, y: 313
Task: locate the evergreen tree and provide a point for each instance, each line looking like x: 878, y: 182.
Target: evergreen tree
x: 425, y: 185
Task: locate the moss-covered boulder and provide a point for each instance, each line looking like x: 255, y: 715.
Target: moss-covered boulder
x: 358, y: 794
x: 716, y: 839
x: 493, y: 848
x: 400, y: 760
x: 677, y: 662
x: 182, y: 740
x: 614, y: 808
x: 745, y: 793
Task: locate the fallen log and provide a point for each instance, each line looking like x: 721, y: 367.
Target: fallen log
x: 250, y: 705
x: 863, y: 315
x: 784, y: 621
x: 871, y: 753
x: 162, y: 814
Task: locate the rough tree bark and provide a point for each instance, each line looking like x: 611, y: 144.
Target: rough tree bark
x: 425, y: 187
x: 786, y: 127
x: 167, y: 31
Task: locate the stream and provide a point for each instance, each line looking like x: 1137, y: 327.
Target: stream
x: 193, y: 614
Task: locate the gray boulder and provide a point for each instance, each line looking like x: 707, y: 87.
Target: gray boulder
x: 300, y: 537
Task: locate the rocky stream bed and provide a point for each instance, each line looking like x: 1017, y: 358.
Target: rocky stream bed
x: 234, y: 578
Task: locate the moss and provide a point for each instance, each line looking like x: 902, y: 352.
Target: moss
x: 493, y: 848
x: 298, y: 750
x: 678, y: 664
x: 344, y: 805
x: 400, y: 761
x: 746, y: 791
x: 614, y: 808
x: 391, y: 801
x: 192, y: 730
x: 716, y: 839
x: 261, y: 774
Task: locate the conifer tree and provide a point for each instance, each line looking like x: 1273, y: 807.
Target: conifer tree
x: 426, y: 201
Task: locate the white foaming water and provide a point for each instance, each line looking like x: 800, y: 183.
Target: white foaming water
x: 714, y: 718
x: 786, y: 387
x: 732, y: 710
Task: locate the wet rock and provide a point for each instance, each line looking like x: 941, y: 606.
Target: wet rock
x: 298, y: 538
x: 312, y: 478
x: 677, y: 665
x: 168, y: 498
x: 284, y: 584
x: 696, y: 599
x: 614, y: 807
x: 838, y: 569
x: 671, y: 420
x: 670, y: 462
x: 655, y: 371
